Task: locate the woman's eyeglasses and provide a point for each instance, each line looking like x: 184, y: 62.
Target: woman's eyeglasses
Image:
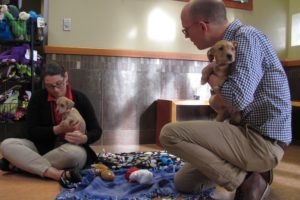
x: 58, y: 85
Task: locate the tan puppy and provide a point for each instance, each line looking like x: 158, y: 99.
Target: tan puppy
x: 224, y: 54
x: 70, y: 114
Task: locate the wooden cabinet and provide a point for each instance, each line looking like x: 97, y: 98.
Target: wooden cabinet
x: 296, y: 103
x: 295, y: 121
x: 180, y: 110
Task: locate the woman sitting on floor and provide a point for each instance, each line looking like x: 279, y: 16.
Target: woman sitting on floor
x: 53, y: 149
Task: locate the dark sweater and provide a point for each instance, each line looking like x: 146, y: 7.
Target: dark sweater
x: 40, y: 124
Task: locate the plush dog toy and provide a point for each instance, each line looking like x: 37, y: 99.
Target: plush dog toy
x: 70, y: 114
x: 5, y: 32
x: 103, y: 171
x: 223, y: 52
x: 19, y: 27
x: 141, y: 176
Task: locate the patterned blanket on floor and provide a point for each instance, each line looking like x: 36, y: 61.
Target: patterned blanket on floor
x: 161, y: 164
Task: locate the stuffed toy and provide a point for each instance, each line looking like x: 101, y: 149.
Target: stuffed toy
x: 141, y: 176
x: 13, y: 10
x: 10, y: 105
x: 24, y: 70
x: 16, y: 54
x: 103, y: 171
x: 5, y: 32
x: 7, y: 69
x: 165, y: 161
x: 19, y: 27
x: 19, y: 115
x: 38, y: 22
x: 25, y: 102
x: 33, y: 15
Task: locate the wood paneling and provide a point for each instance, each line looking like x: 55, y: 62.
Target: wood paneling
x: 292, y: 63
x: 234, y: 4
x: 124, y: 53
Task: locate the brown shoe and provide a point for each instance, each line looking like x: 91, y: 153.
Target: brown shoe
x: 254, y: 187
x: 4, y: 165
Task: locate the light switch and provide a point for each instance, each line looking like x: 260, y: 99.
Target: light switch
x: 67, y: 24
x: 78, y: 63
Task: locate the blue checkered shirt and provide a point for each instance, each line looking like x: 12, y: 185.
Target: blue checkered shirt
x: 258, y: 85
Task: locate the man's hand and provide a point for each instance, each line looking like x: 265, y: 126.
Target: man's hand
x: 214, y: 81
x: 76, y: 137
x: 215, y: 101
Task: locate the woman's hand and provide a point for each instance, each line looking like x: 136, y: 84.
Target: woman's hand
x: 63, y: 127
x: 76, y: 137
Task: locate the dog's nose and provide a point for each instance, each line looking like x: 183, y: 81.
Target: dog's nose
x: 229, y: 57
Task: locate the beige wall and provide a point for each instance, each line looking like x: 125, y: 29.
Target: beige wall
x: 270, y: 16
x: 110, y: 24
x: 293, y: 53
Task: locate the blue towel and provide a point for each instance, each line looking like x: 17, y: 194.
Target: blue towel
x: 93, y: 187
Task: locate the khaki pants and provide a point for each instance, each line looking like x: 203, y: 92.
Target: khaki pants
x: 23, y: 154
x: 217, y: 153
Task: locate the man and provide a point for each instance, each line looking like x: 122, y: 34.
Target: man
x: 53, y: 149
x: 237, y: 157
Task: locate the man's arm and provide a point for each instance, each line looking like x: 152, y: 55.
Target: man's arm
x: 239, y: 88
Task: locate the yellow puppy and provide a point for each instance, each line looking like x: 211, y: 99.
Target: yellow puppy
x: 223, y: 52
x: 70, y: 114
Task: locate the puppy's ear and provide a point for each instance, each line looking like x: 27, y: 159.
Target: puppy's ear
x: 234, y: 43
x: 211, y: 54
x: 70, y: 104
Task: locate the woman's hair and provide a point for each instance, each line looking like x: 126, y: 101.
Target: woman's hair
x: 212, y: 11
x: 52, y: 69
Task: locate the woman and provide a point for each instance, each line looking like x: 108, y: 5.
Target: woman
x: 53, y: 149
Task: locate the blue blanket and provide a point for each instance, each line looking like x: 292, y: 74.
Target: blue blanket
x: 93, y: 187
x: 162, y: 164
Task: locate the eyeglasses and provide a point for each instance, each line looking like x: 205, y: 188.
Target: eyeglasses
x: 185, y: 30
x: 58, y: 85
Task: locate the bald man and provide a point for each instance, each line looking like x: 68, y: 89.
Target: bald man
x: 235, y: 156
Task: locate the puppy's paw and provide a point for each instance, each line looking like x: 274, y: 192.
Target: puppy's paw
x: 204, y: 80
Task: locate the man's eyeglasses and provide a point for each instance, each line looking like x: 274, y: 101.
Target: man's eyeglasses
x: 58, y: 85
x: 185, y: 30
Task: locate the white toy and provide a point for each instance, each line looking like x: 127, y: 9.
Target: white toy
x: 141, y: 176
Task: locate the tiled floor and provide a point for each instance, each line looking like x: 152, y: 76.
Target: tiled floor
x: 286, y: 183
